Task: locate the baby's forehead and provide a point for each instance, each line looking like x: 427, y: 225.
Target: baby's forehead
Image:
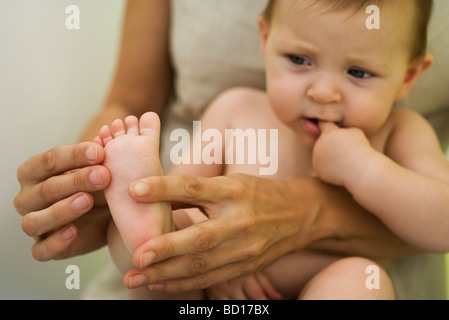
x: 397, y: 15
x: 404, y: 9
x: 321, y: 5
x: 304, y: 22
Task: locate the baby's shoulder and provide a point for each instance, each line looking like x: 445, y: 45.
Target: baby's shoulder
x: 403, y: 120
x: 241, y: 101
x: 408, y: 132
x: 403, y: 115
x: 243, y: 97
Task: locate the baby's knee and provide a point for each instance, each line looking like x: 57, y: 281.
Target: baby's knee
x: 351, y: 278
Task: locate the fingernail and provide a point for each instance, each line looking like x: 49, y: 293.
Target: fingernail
x: 95, y: 177
x: 92, y: 153
x: 81, y: 203
x: 146, y: 259
x: 68, y: 233
x: 137, y: 281
x: 156, y: 287
x: 139, y: 189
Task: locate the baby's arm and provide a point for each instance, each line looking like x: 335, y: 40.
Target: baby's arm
x: 407, y: 188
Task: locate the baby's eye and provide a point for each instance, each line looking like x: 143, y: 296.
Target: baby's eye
x: 360, y: 74
x: 298, y: 60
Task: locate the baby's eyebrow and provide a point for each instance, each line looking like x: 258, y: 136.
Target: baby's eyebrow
x: 295, y: 44
x: 369, y: 61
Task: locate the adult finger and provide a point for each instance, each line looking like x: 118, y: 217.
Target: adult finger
x: 138, y: 277
x: 86, y: 234
x: 202, y: 270
x: 197, y: 239
x: 60, y: 159
x: 39, y: 196
x: 37, y: 223
x: 54, y: 244
x: 180, y: 188
x: 208, y: 267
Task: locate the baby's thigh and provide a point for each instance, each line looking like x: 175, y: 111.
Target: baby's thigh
x: 352, y: 278
x: 290, y: 274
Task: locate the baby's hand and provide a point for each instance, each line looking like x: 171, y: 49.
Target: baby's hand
x: 339, y: 153
x: 252, y: 287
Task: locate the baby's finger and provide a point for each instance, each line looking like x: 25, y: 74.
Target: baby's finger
x: 253, y: 289
x: 327, y: 126
x: 268, y: 288
x: 239, y: 295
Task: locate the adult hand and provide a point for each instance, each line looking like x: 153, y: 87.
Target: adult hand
x: 58, y: 188
x: 252, y: 222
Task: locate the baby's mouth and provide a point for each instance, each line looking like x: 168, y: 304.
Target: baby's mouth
x: 316, y: 121
x: 311, y: 125
x: 313, y: 120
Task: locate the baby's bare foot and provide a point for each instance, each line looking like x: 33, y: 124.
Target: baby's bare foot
x: 132, y: 155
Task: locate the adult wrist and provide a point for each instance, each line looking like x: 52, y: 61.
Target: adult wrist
x: 308, y: 210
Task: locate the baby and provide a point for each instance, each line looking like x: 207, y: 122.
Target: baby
x: 331, y: 86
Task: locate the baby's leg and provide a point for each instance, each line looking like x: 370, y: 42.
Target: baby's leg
x: 131, y: 155
x: 290, y: 274
x: 349, y: 279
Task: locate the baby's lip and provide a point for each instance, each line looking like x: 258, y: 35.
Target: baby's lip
x: 311, y: 126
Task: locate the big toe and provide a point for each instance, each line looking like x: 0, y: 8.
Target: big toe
x: 150, y: 125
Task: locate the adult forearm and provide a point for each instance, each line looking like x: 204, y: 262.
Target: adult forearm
x: 340, y: 226
x: 143, y: 75
x: 105, y: 115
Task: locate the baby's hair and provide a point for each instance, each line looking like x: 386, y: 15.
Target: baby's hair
x: 423, y: 12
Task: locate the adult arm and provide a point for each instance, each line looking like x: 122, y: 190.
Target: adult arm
x: 52, y: 181
x: 253, y: 222
x: 143, y: 75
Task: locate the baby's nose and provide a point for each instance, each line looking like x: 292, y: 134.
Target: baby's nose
x: 325, y: 90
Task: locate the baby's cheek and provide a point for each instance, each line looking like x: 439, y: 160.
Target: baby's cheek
x: 283, y: 102
x: 367, y: 111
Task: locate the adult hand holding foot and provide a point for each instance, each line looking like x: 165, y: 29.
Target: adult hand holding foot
x: 58, y: 188
x: 252, y: 222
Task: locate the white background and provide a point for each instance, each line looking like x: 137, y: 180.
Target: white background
x: 52, y: 81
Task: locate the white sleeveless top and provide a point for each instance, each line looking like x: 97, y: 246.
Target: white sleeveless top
x: 215, y: 46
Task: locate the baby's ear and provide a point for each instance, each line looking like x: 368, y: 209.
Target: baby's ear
x: 263, y: 32
x: 415, y: 70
